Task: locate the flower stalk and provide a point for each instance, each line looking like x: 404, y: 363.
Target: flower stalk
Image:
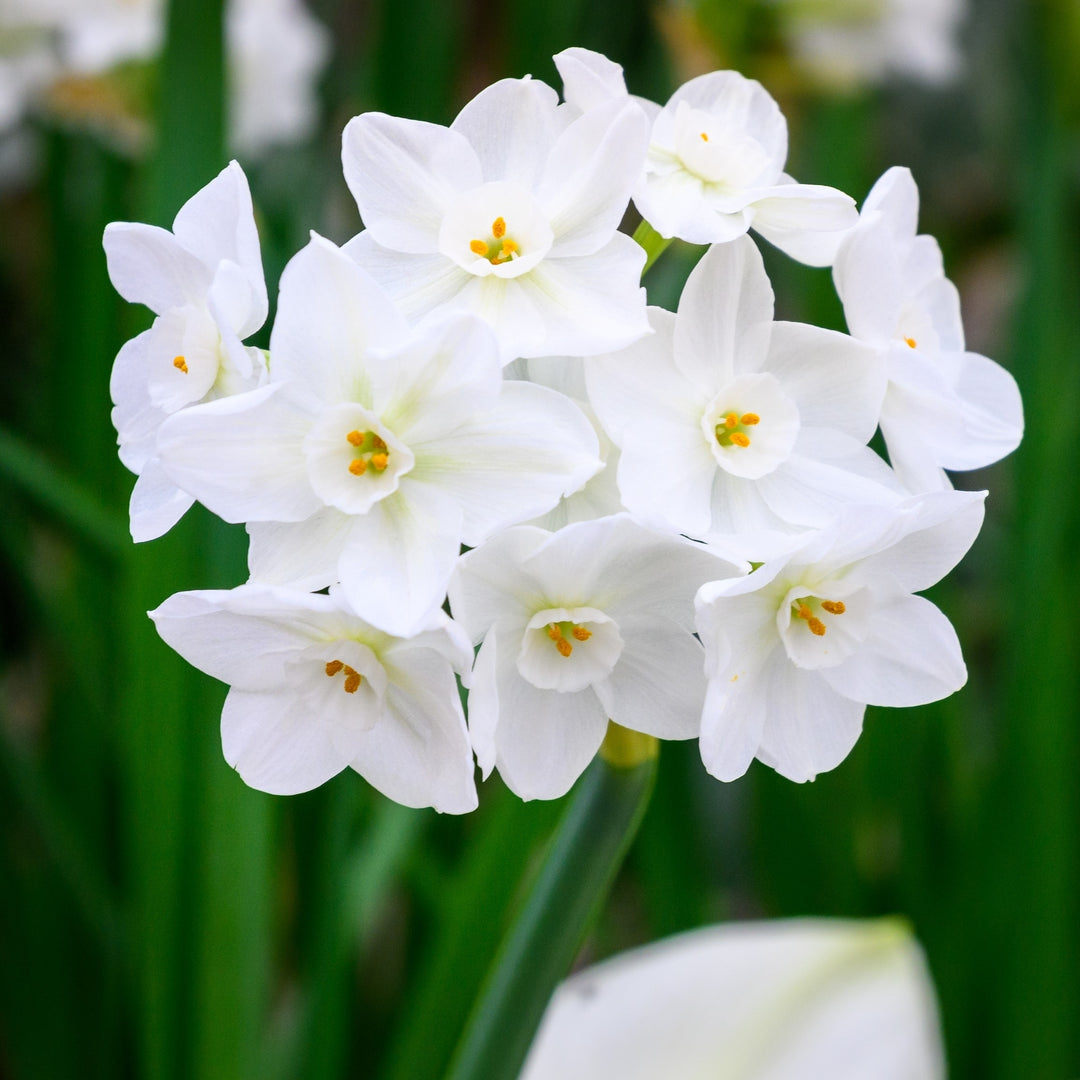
x: 652, y: 242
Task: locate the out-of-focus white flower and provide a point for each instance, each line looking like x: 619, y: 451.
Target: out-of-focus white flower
x: 734, y: 428
x: 588, y: 624
x: 715, y: 164
x: 315, y: 689
x: 847, y: 43
x: 276, y: 51
x: 204, y: 281
x: 374, y: 453
x: 797, y: 649
x: 799, y: 999
x: 510, y: 213
x: 945, y: 407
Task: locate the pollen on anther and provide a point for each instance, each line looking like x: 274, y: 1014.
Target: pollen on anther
x: 478, y: 247
x: 353, y: 679
x: 911, y: 342
x: 554, y: 632
x: 564, y: 647
x: 358, y: 466
x: 581, y: 633
x: 509, y: 248
x: 730, y: 420
x: 355, y: 437
x: 379, y: 461
x: 498, y: 228
x: 750, y: 419
x: 333, y: 667
x: 804, y: 612
x: 740, y: 438
x: 704, y: 137
x: 834, y: 607
x: 817, y: 627
x: 180, y: 364
x: 378, y: 443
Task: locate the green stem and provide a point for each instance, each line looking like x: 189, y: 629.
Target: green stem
x: 653, y: 243
x: 573, y: 881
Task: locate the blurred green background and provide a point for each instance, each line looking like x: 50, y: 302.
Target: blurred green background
x: 159, y: 920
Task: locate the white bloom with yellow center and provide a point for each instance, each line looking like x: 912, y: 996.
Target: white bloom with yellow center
x: 797, y: 649
x: 314, y: 689
x: 510, y: 213
x: 591, y: 623
x: 735, y: 428
x: 374, y: 453
x: 204, y: 281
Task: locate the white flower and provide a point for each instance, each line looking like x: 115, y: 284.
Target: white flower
x: 588, y: 624
x: 799, y: 999
x: 715, y: 164
x: 315, y: 689
x: 734, y: 428
x: 510, y: 213
x: 797, y: 649
x: 945, y: 408
x: 374, y: 453
x: 204, y: 281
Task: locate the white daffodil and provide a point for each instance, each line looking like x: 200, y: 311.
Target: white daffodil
x: 374, y: 453
x: 798, y: 999
x: 588, y: 624
x: 204, y: 281
x: 315, y: 689
x: 510, y: 213
x: 945, y: 407
x: 797, y: 649
x: 715, y: 163
x: 734, y: 428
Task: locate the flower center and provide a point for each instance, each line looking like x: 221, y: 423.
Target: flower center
x: 731, y: 430
x: 370, y: 452
x: 559, y: 631
x: 803, y: 608
x: 498, y: 247
x: 353, y: 678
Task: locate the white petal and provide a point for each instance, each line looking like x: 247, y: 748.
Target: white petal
x: 157, y: 504
x: 242, y: 456
x: 134, y: 416
x: 402, y: 174
x: 589, y: 78
x: 806, y: 221
x: 677, y: 204
x: 304, y: 554
x: 910, y: 657
x: 992, y: 414
x: 568, y: 649
x: 870, y: 282
x: 896, y: 197
x: 148, y: 265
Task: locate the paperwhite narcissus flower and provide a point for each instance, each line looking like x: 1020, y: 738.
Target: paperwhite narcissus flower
x: 715, y: 164
x: 315, y: 689
x: 797, y: 649
x: 374, y: 453
x: 798, y: 999
x: 945, y: 407
x: 204, y: 281
x: 510, y: 213
x: 588, y: 624
x: 734, y: 428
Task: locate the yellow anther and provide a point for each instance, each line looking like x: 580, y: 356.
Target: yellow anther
x: 498, y: 228
x: 730, y: 420
x: 817, y: 627
x: 554, y: 632
x: 478, y: 247
x: 353, y: 679
x: 911, y: 342
x: 834, y: 607
x: 749, y: 419
x: 581, y: 633
x: 355, y: 437
x: 358, y: 466
x: 377, y: 443
x: 379, y: 461
x: 333, y: 667
x: 509, y: 249
x: 704, y: 137
x: 180, y: 364
x: 564, y: 647
x: 804, y: 612
x: 740, y: 438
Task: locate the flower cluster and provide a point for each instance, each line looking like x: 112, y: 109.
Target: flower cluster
x: 671, y: 521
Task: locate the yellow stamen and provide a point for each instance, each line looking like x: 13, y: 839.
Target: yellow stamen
x: 509, y: 249
x: 498, y: 228
x: 834, y: 607
x: 478, y: 247
x: 564, y: 647
x: 358, y: 466
x: 730, y: 420
x: 377, y: 443
x: 581, y: 633
x: 750, y: 419
x: 355, y: 437
x: 554, y: 632
x: 804, y: 612
x: 911, y: 342
x: 180, y: 364
x: 817, y: 627
x: 704, y: 137
x: 353, y: 679
x: 740, y: 438
x: 379, y: 461
x: 333, y: 667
